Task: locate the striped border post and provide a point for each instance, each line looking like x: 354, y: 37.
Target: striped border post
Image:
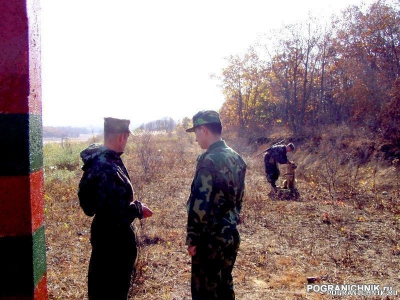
x: 22, y: 234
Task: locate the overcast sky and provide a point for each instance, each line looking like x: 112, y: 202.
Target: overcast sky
x: 145, y: 60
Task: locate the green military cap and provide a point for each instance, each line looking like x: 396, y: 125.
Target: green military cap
x: 113, y: 125
x: 204, y: 117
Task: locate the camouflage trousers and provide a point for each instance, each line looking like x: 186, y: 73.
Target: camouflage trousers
x: 212, y: 268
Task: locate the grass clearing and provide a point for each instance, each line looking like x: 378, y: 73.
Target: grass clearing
x: 344, y: 228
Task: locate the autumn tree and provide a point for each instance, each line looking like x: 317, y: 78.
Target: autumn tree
x: 369, y: 60
x: 312, y: 76
x: 294, y: 63
x: 243, y: 84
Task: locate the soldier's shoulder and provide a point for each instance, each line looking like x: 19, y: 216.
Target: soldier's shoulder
x: 102, y: 164
x: 228, y: 151
x: 207, y: 159
x: 227, y: 156
x: 278, y: 148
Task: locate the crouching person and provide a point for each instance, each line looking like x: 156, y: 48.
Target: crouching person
x: 272, y: 156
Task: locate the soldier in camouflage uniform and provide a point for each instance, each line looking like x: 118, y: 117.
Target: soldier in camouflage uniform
x: 213, y: 209
x: 272, y: 156
x: 105, y: 192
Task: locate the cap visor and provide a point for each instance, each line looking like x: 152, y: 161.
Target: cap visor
x: 190, y: 129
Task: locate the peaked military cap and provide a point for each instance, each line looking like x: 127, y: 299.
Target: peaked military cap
x: 204, y: 117
x: 113, y: 125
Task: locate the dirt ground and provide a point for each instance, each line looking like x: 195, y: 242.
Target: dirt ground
x: 328, y: 233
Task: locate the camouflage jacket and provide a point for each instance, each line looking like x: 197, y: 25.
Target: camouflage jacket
x: 276, y: 154
x: 105, y: 189
x: 216, y: 194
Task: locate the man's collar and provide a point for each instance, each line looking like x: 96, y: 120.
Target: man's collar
x: 217, y: 144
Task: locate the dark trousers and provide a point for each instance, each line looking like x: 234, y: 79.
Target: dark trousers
x: 111, y: 265
x: 272, y: 173
x: 212, y: 269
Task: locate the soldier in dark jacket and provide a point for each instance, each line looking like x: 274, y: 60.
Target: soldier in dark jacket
x: 272, y: 156
x: 106, y: 192
x: 213, y: 208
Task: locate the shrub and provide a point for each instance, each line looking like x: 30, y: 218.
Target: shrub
x: 64, y: 156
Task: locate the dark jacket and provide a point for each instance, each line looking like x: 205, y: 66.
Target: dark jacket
x: 276, y: 154
x: 105, y: 189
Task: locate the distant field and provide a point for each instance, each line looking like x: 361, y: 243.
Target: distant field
x: 82, y: 138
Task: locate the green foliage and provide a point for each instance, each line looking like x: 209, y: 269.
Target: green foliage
x: 62, y: 170
x: 60, y: 176
x: 57, y: 156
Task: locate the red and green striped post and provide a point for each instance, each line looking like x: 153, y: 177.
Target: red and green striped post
x: 22, y: 234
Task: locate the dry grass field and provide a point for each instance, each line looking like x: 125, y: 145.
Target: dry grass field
x: 344, y: 228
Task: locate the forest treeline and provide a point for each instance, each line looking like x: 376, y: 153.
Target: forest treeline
x: 310, y: 75
x: 165, y: 124
x: 64, y: 131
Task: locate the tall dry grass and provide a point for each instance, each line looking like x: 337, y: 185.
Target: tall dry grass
x: 344, y: 228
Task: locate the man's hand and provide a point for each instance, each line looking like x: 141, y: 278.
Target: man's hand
x: 191, y: 250
x: 146, y: 211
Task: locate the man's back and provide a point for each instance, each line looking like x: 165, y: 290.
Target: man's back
x: 228, y: 170
x: 106, y: 185
x: 277, y: 153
